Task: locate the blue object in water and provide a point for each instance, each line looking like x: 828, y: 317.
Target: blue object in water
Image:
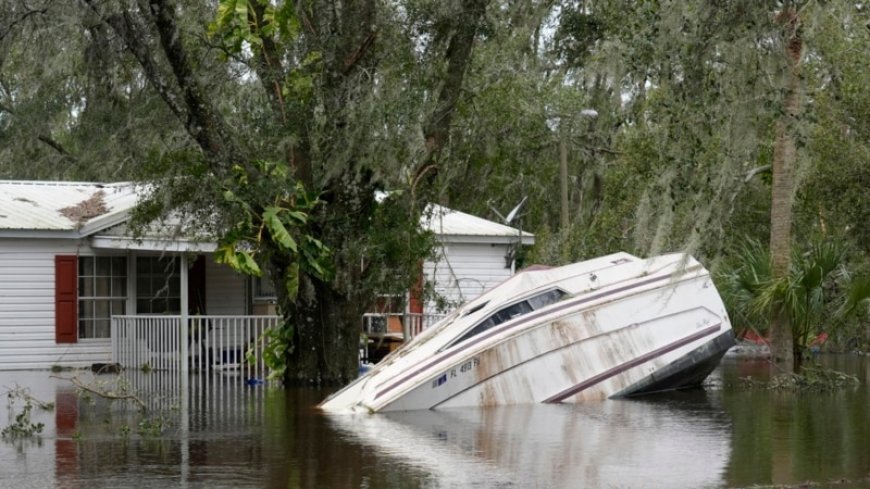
x: 253, y: 381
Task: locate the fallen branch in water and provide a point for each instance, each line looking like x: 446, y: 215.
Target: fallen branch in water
x: 23, y: 426
x: 114, y: 396
x: 24, y: 394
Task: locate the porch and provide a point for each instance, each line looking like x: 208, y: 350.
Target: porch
x: 229, y: 344
x: 234, y: 345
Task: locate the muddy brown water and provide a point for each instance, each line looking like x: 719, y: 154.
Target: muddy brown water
x: 229, y: 435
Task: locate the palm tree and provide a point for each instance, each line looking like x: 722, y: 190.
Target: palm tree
x: 817, y: 294
x: 782, y: 191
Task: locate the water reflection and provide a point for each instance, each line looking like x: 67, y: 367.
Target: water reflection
x: 788, y: 438
x: 226, y: 434
x: 672, y: 442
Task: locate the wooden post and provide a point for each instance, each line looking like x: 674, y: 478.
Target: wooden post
x: 183, y: 327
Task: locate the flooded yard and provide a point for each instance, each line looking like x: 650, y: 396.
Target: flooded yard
x: 227, y: 434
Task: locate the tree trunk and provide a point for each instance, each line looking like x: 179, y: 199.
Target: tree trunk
x: 458, y: 57
x: 782, y: 192
x: 326, y: 341
x: 563, y: 178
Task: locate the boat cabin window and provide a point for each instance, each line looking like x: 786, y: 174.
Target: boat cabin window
x: 545, y: 299
x: 517, y: 309
x: 475, y: 309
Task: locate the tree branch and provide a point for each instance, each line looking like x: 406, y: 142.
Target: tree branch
x: 57, y: 147
x: 351, y: 61
x: 135, y: 36
x: 24, y: 393
x: 202, y: 121
x: 458, y: 57
x: 270, y: 71
x: 19, y: 20
x: 104, y: 394
x: 48, y: 140
x: 179, y: 88
x: 601, y: 149
x: 751, y: 173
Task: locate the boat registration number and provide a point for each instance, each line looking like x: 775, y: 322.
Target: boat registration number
x: 455, y: 372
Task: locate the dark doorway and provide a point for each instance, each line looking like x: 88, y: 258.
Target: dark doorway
x: 196, y: 287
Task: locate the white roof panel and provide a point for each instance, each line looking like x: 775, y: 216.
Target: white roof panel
x: 63, y: 206
x: 84, y: 208
x: 447, y: 223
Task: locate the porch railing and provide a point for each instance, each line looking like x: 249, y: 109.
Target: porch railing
x: 204, y: 343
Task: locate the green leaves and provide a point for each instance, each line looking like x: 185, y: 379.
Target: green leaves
x: 277, y: 344
x: 233, y: 24
x: 282, y: 20
x: 278, y: 231
x: 858, y: 292
x: 239, y: 260
x: 817, y: 293
x: 280, y: 226
x: 300, y: 81
x: 241, y: 22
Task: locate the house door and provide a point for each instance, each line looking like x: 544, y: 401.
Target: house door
x: 196, y: 287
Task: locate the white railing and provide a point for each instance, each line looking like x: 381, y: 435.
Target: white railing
x: 412, y: 324
x: 205, y: 343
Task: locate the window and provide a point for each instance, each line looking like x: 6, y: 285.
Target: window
x: 549, y: 297
x: 102, y: 293
x: 158, y: 285
x: 475, y: 309
x: 514, y: 310
x: 264, y: 289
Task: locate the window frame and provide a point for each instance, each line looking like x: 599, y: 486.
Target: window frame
x: 144, y: 294
x: 116, y: 277
x: 260, y: 290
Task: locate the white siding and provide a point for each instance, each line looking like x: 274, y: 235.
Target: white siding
x: 27, y: 307
x: 463, y: 271
x: 225, y: 290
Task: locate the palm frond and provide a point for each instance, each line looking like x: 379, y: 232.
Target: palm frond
x: 857, y: 293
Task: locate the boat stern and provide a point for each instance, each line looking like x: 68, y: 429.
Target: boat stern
x: 686, y: 372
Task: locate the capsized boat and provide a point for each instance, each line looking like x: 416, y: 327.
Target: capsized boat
x: 613, y: 326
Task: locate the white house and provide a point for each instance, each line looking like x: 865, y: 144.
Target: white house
x: 71, y: 277
x: 473, y: 255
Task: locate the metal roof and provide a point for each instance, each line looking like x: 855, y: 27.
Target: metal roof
x: 53, y: 206
x: 40, y: 207
x: 453, y: 225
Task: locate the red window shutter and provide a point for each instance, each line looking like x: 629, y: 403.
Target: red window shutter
x: 65, y: 299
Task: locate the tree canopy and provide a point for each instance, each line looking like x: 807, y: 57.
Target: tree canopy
x: 277, y: 122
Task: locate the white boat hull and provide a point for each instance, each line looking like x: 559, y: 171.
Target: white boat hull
x: 656, y: 328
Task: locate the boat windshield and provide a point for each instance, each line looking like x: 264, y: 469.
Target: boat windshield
x: 517, y: 309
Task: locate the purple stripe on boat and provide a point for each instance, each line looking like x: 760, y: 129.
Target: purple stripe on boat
x: 632, y: 363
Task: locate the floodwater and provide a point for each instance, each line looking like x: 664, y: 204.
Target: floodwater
x: 255, y: 436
